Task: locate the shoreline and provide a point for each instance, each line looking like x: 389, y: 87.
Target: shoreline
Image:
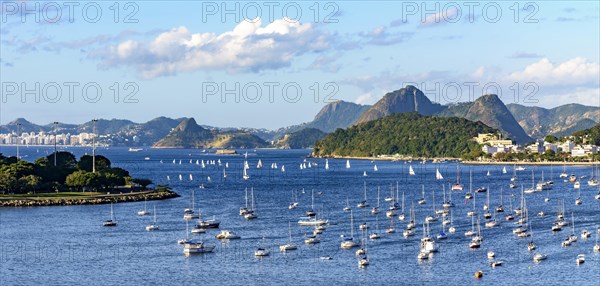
x: 35, y: 201
x: 450, y: 159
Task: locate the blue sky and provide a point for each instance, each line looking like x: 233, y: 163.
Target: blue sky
x: 181, y: 58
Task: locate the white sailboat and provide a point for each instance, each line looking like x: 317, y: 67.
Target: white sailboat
x: 189, y: 212
x: 259, y: 164
x: 349, y: 242
x: 375, y: 168
x: 290, y: 245
x: 364, y: 203
x: 112, y: 221
x: 347, y: 164
x: 375, y: 210
x: 411, y: 172
x: 245, y: 175
x: 438, y: 175
x: 457, y: 186
x: 145, y: 211
x: 326, y: 164
x: 250, y: 214
x: 153, y: 226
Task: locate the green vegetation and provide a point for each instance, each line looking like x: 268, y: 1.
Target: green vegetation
x: 22, y: 177
x: 408, y: 134
x: 592, y: 135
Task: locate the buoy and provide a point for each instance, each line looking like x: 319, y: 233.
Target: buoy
x: 478, y: 274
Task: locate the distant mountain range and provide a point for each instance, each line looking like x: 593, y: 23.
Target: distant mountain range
x: 188, y: 134
x: 518, y: 122
x: 560, y: 121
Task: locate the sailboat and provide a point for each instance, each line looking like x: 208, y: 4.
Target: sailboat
x: 189, y: 212
x: 326, y: 164
x: 259, y: 164
x: 194, y: 247
x: 438, y: 175
x: 451, y: 229
x: 422, y: 200
x: 111, y: 221
x: 532, y: 189
x: 364, y: 203
x: 578, y: 200
x: 411, y: 172
x: 564, y: 173
x: 347, y: 208
x: 261, y: 251
x: 347, y: 164
x: 500, y: 208
x: 504, y: 170
x: 375, y: 235
x: 144, y: 212
x: 375, y: 210
x: 250, y: 213
x: 349, y: 242
x: 288, y: 246
x: 457, y: 186
x: 294, y: 202
x: 401, y: 216
x: 311, y: 212
x: 245, y: 175
x: 427, y: 244
x: 375, y: 168
x: 153, y: 226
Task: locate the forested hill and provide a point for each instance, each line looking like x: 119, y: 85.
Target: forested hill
x: 408, y: 134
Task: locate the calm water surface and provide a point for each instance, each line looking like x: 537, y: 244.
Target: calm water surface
x: 69, y: 245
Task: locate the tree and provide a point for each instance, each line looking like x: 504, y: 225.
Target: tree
x: 82, y: 179
x: 86, y: 163
x: 29, y: 183
x: 551, y: 139
x: 63, y: 159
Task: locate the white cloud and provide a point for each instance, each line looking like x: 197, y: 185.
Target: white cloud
x: 248, y: 47
x: 367, y: 98
x: 575, y: 71
x: 441, y: 17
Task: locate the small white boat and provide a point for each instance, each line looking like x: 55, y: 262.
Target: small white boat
x: 363, y: 262
x: 193, y: 247
x: 580, y: 259
x: 496, y: 263
x: 227, y: 234
x: 539, y: 257
x: 261, y: 252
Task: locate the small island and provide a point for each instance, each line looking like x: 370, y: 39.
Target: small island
x: 61, y: 179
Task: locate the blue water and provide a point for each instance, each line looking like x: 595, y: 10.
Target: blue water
x: 69, y: 245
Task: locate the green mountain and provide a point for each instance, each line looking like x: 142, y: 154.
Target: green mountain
x: 301, y: 139
x: 408, y: 134
x: 407, y: 99
x: 593, y: 133
x: 188, y: 134
x: 561, y: 121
